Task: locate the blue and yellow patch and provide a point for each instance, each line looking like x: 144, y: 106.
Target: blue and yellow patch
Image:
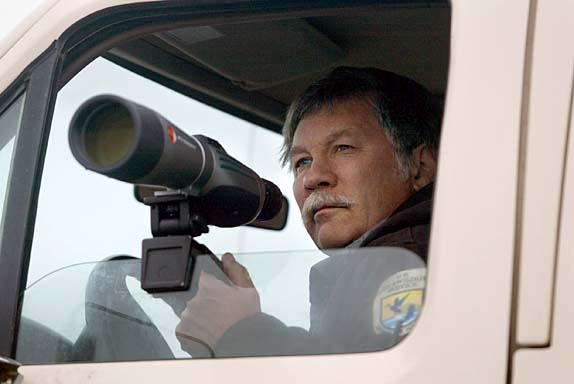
x: 399, y: 301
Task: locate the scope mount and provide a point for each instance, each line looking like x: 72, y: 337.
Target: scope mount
x: 169, y: 257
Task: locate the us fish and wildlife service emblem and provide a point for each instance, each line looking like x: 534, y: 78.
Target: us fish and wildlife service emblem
x: 399, y: 301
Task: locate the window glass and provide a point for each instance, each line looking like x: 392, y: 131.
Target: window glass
x: 288, y: 297
x: 106, y: 316
x: 9, y: 124
x: 88, y: 242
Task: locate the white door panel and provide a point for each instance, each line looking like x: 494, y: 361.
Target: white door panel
x: 554, y: 364
x: 549, y: 103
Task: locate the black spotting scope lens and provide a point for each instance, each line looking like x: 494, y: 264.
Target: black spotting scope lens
x: 129, y: 142
x: 108, y: 134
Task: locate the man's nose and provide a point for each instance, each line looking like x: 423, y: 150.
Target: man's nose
x: 319, y: 175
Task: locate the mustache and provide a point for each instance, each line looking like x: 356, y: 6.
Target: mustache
x: 318, y: 200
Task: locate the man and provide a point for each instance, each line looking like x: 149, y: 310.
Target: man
x: 362, y: 144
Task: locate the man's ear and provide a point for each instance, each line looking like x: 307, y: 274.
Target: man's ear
x: 423, y: 166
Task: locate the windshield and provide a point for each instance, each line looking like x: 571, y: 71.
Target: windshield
x: 98, y: 311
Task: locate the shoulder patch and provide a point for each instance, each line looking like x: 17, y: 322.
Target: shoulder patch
x: 399, y: 301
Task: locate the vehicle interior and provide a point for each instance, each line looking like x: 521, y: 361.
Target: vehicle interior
x: 253, y: 65
x: 249, y: 63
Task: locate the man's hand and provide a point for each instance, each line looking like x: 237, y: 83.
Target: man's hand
x: 217, y: 306
x: 236, y: 272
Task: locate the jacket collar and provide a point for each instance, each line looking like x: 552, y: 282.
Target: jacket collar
x: 416, y: 210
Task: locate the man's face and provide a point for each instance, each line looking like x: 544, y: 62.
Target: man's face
x: 345, y: 168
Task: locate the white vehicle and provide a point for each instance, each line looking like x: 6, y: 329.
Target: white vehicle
x: 498, y: 304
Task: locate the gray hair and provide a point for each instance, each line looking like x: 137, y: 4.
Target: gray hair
x: 404, y: 108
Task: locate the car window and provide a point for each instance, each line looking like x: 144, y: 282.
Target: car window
x: 9, y: 125
x: 88, y: 243
x: 106, y: 316
x: 293, y: 299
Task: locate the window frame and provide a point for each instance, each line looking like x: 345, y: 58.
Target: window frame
x: 79, y: 45
x: 21, y: 196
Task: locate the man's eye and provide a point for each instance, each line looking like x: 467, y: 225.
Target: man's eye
x: 301, y: 162
x: 343, y: 147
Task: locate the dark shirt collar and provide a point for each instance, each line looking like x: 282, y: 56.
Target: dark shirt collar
x: 423, y: 194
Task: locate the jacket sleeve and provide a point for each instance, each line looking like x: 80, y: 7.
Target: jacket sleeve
x: 265, y: 335
x: 343, y: 291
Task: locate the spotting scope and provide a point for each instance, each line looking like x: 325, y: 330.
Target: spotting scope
x: 129, y: 142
